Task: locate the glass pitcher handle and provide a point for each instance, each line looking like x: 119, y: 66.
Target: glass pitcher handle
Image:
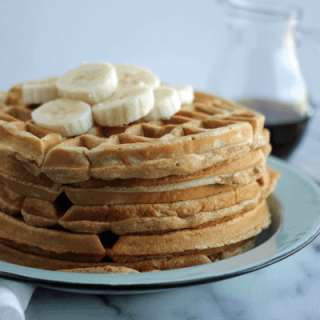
x: 312, y: 35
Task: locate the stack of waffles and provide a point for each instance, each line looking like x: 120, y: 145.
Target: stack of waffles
x: 146, y: 196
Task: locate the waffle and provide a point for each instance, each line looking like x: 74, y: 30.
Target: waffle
x: 144, y: 197
x: 210, y: 131
x: 205, y: 240
x: 99, y: 192
x: 40, y: 213
x: 10, y: 202
x: 31, y: 260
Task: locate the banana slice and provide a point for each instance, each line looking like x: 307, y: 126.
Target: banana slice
x: 166, y: 104
x: 124, y: 107
x: 35, y: 92
x: 91, y: 82
x: 131, y: 75
x: 185, y: 92
x: 64, y: 116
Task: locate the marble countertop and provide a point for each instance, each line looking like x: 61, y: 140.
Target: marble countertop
x: 289, y: 289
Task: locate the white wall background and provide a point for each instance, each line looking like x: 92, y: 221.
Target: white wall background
x: 180, y: 40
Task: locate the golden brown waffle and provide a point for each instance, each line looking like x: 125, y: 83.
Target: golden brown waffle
x: 168, y: 189
x: 51, y: 243
x: 104, y: 269
x: 3, y: 99
x: 172, y: 263
x: 10, y: 202
x: 40, y: 213
x: 16, y: 177
x: 190, y: 241
x: 22, y: 258
x: 26, y: 142
x: 210, y: 131
x: 241, y: 171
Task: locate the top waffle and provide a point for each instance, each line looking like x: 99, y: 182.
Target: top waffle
x: 209, y: 131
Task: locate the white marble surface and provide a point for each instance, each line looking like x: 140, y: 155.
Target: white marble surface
x: 289, y: 289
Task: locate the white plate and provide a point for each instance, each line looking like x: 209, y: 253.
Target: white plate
x: 295, y: 207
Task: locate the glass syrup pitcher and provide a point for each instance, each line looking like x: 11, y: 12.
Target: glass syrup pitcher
x: 260, y: 68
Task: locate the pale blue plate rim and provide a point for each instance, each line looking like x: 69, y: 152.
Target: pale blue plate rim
x: 295, y: 207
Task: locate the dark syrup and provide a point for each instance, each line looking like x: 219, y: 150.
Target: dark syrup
x: 285, y: 124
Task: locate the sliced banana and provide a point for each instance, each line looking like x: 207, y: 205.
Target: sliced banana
x: 131, y: 75
x: 64, y: 116
x: 185, y: 92
x: 91, y: 82
x: 166, y: 104
x: 124, y: 107
x: 35, y: 92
